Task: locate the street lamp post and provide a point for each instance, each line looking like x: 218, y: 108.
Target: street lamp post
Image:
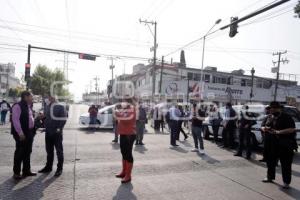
x: 203, y: 50
x: 252, y: 83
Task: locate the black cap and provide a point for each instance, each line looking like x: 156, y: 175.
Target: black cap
x: 275, y: 104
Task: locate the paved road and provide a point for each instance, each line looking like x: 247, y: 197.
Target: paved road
x: 159, y: 172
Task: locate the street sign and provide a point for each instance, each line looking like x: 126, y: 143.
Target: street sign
x: 87, y: 56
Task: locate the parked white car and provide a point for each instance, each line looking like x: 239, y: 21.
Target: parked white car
x: 259, y: 111
x: 104, y: 117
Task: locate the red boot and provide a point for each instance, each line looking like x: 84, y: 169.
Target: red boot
x: 122, y: 174
x: 128, y: 170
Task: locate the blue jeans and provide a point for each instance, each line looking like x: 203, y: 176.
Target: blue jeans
x: 174, y: 130
x: 3, y: 116
x: 93, y: 120
x: 196, y: 131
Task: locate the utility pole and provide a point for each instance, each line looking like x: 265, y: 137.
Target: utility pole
x: 252, y: 83
x: 111, y: 67
x: 154, y: 48
x: 97, y: 90
x: 161, y: 73
x: 277, y: 69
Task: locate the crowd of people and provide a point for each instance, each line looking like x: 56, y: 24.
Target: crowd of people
x: 129, y: 119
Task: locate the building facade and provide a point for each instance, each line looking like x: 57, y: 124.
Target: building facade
x: 7, y: 77
x: 184, y: 83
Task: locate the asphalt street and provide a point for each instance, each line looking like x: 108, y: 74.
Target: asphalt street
x: 159, y: 173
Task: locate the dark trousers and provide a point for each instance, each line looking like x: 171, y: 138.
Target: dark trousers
x: 228, y: 136
x: 156, y: 125
x: 174, y: 131
x: 180, y: 130
x: 197, y: 136
x: 3, y: 116
x: 22, y: 154
x: 126, y: 145
x: 54, y: 140
x: 215, y: 129
x: 279, y: 150
x: 140, y: 129
x: 245, y: 133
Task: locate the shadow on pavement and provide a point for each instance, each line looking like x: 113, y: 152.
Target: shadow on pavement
x: 124, y: 192
x: 186, y: 143
x: 208, y: 159
x: 179, y: 149
x: 35, y: 189
x: 140, y: 149
x: 292, y: 192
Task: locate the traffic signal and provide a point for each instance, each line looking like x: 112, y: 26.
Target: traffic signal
x: 27, y: 71
x: 233, y: 27
x: 87, y: 56
x: 109, y: 89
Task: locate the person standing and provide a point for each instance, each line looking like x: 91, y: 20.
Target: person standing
x: 215, y: 121
x: 140, y: 125
x: 4, y: 107
x: 264, y: 135
x: 173, y: 123
x: 93, y: 111
x: 180, y: 122
x: 55, y: 120
x: 229, y: 127
x: 126, y: 117
x: 246, y: 122
x: 197, y: 121
x: 22, y: 129
x: 282, y: 144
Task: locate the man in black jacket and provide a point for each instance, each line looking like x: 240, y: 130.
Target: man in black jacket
x: 55, y: 119
x: 246, y: 122
x: 282, y: 133
x: 22, y: 129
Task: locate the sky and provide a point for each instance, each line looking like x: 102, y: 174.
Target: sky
x: 112, y: 27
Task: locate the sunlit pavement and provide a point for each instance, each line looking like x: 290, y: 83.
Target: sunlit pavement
x: 160, y: 172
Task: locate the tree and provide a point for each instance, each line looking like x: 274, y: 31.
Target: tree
x: 43, y: 78
x: 297, y: 9
x: 182, y: 59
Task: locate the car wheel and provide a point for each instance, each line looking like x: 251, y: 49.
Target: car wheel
x: 206, y: 132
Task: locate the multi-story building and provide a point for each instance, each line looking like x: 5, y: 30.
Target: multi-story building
x: 175, y: 81
x: 7, y: 77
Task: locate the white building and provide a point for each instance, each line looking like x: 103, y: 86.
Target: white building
x: 218, y: 86
x: 7, y: 77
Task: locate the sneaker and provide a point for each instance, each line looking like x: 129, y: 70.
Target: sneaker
x: 238, y: 154
x: 286, y: 186
x: 201, y: 151
x: 194, y: 150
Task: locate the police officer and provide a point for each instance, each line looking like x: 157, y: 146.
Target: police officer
x: 246, y: 122
x: 229, y: 124
x: 281, y: 128
x: 55, y: 119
